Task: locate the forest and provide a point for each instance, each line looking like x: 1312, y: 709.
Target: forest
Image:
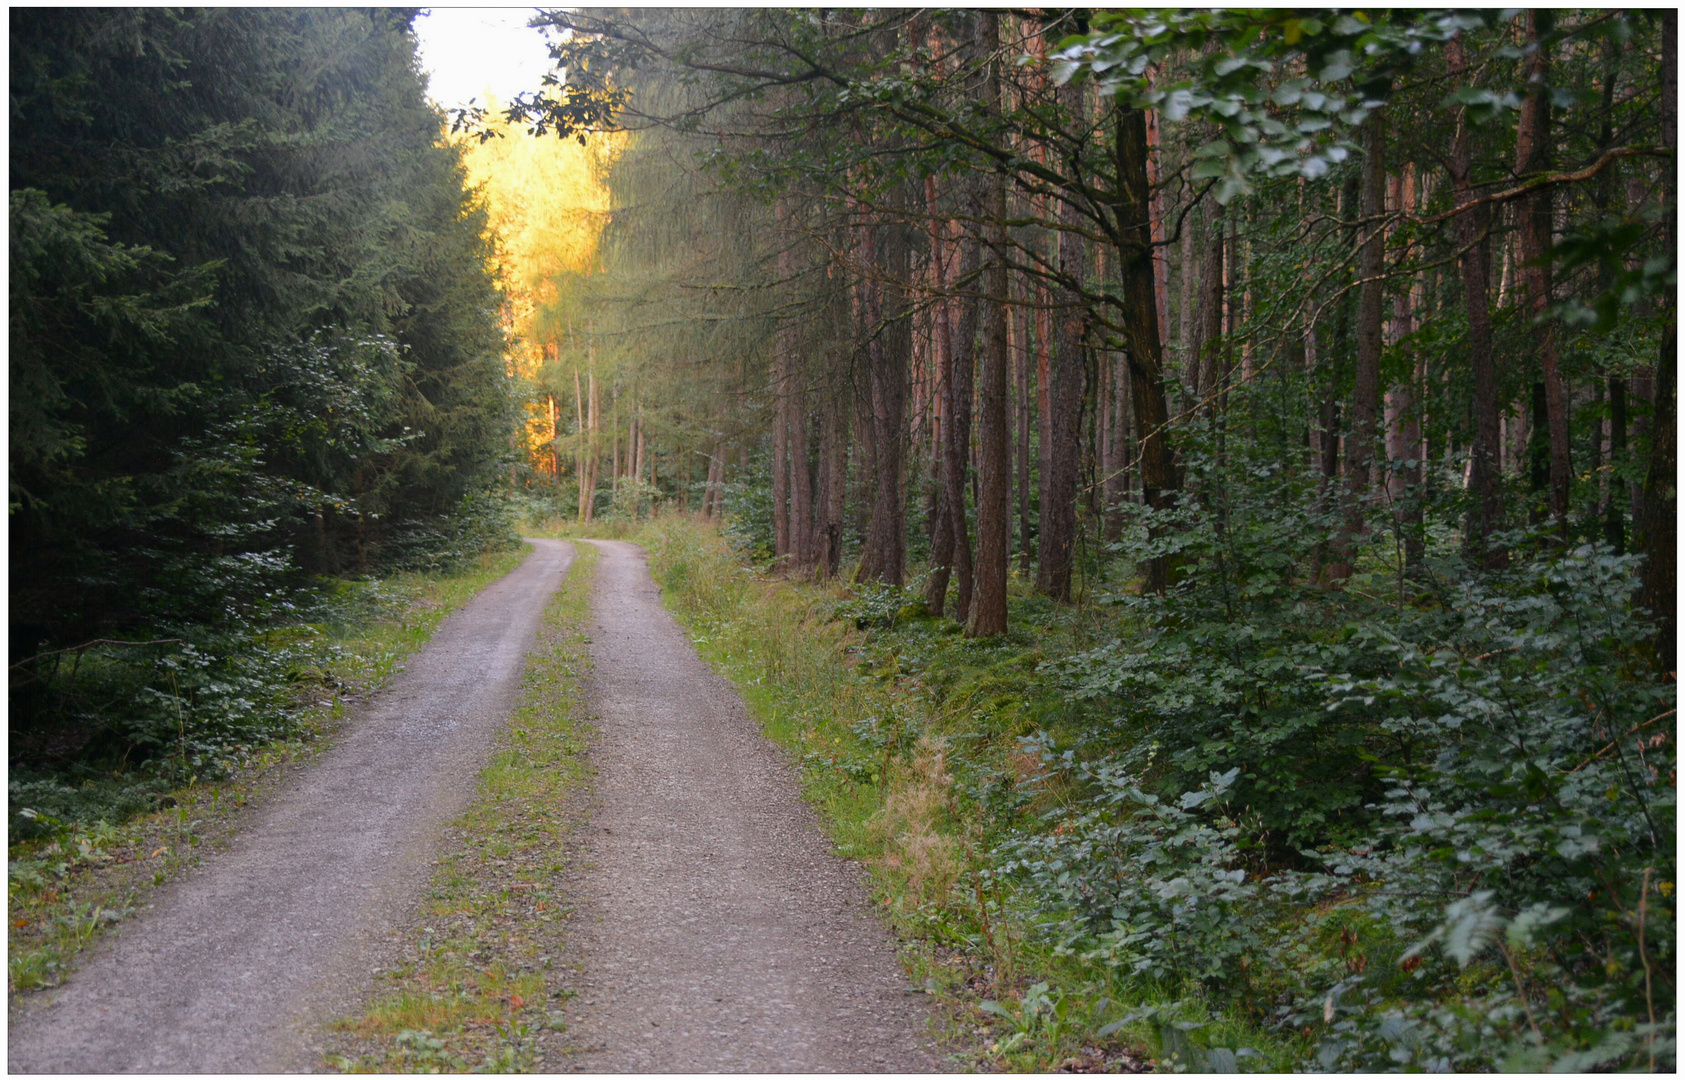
x: 256, y: 346
x: 1240, y: 442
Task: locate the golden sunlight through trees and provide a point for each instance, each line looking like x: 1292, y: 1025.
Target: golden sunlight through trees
x: 547, y: 201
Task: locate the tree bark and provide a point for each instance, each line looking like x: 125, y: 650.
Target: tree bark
x: 1208, y: 323
x: 579, y: 444
x: 1187, y: 304
x: 1658, y: 530
x: 1366, y: 381
x: 1159, y: 482
x: 1063, y: 433
x: 1614, y: 514
x: 1475, y: 261
x: 988, y: 608
x: 942, y: 353
x: 780, y: 448
x: 1614, y: 495
x: 1403, y: 416
x: 884, y: 556
x: 801, y: 480
x: 833, y: 443
x: 1532, y: 157
x: 711, y: 491
x: 1018, y: 329
x: 957, y: 453
x: 593, y: 453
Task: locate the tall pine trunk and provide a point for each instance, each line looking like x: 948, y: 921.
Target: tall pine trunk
x: 988, y: 606
x: 961, y: 390
x: 1475, y: 260
x: 1657, y: 532
x: 1207, y: 344
x: 942, y: 349
x: 1361, y: 434
x: 888, y: 351
x: 1159, y: 482
x: 1063, y: 431
x: 1403, y: 415
x: 1532, y: 157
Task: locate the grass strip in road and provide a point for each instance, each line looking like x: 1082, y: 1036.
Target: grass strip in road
x: 65, y: 891
x: 482, y: 974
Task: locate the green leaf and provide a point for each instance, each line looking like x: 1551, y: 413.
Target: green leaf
x: 1338, y: 65
x: 1471, y: 924
x: 1531, y: 920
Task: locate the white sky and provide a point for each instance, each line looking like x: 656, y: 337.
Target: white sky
x: 470, y: 51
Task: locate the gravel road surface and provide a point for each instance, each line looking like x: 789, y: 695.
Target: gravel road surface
x: 234, y: 967
x: 718, y: 933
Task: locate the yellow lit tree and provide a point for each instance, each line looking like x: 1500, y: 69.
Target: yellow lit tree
x: 548, y: 201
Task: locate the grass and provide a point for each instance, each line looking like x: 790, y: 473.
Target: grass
x: 560, y: 527
x: 64, y: 891
x: 482, y: 980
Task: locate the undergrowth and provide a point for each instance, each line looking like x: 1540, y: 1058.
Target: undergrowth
x: 483, y: 980
x: 1251, y: 824
x: 88, y: 843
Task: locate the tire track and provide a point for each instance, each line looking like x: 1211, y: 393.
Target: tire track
x: 718, y: 932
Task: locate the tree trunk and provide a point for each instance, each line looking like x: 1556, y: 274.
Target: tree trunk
x: 1155, y: 208
x: 785, y: 524
x: 942, y: 349
x: 833, y: 486
x: 780, y: 449
x: 884, y: 556
x: 1018, y: 328
x: 1208, y: 323
x: 1119, y: 448
x: 1475, y: 260
x: 593, y: 453
x: 1614, y: 515
x: 1187, y: 304
x: 1657, y: 534
x: 1366, y: 382
x: 1159, y: 482
x: 801, y: 481
x: 1403, y: 415
x: 1532, y: 157
x: 1613, y: 496
x: 988, y: 607
x: 713, y: 492
x: 1062, y: 431
x: 833, y: 440
x: 579, y: 444
x: 958, y: 449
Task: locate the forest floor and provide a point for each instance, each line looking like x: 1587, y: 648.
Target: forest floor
x: 709, y: 927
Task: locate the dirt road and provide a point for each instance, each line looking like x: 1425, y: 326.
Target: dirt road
x: 232, y: 968
x: 715, y: 930
x: 718, y: 932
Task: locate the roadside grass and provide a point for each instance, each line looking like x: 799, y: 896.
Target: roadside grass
x: 67, y: 889
x: 914, y: 766
x: 483, y: 979
x: 566, y: 527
